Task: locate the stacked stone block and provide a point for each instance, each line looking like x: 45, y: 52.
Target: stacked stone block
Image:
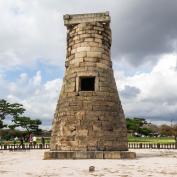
x: 89, y: 120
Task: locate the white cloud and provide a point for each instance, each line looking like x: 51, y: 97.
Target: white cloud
x: 37, y: 79
x: 33, y: 31
x: 157, y: 96
x: 153, y: 94
x: 38, y: 98
x: 30, y: 32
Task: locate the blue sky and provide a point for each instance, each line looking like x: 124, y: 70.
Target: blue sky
x: 144, y: 54
x: 48, y: 72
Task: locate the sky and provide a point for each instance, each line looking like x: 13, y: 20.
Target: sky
x: 144, y: 54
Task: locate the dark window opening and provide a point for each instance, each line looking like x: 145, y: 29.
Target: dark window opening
x: 87, y: 83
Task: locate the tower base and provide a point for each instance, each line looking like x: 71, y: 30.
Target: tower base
x: 89, y: 155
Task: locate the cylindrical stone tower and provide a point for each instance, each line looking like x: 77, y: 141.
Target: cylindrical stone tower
x: 89, y: 116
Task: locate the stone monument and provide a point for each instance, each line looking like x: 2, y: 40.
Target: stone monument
x: 89, y: 120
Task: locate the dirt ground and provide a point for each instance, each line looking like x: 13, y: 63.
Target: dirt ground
x: 154, y: 163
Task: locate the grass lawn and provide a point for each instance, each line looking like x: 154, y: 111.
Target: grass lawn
x: 47, y: 141
x: 161, y: 140
x: 131, y: 139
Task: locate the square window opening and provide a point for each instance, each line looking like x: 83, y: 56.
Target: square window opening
x: 87, y: 83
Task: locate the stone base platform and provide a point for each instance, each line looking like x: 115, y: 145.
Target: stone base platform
x: 89, y: 155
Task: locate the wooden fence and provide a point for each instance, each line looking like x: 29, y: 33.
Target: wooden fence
x: 130, y: 146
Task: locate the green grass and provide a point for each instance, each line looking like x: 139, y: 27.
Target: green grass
x: 47, y: 141
x: 161, y: 140
x: 131, y: 139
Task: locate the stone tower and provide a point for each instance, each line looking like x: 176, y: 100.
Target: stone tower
x: 89, y: 120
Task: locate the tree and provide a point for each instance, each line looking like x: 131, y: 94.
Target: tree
x: 132, y: 124
x: 166, y: 130
x: 175, y: 131
x: 9, y: 110
x: 1, y: 124
x: 152, y: 129
x: 135, y: 124
x: 144, y: 131
x: 35, y: 126
x: 15, y: 112
x: 9, y: 134
x: 138, y: 125
x: 27, y: 123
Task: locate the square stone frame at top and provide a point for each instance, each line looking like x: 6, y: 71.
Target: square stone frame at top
x: 87, y: 75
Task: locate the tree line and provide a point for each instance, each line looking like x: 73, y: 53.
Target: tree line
x: 13, y: 123
x: 12, y: 117
x: 139, y: 127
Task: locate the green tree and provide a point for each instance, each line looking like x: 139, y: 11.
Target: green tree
x: 9, y: 110
x: 35, y: 126
x: 27, y: 123
x: 1, y: 124
x: 9, y: 134
x: 135, y: 124
x: 138, y: 125
x: 144, y: 131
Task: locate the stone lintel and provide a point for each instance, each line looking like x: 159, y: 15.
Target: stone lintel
x: 89, y: 155
x: 83, y: 18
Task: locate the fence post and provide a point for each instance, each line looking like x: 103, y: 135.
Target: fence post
x: 158, y: 145
x: 140, y: 146
x: 40, y: 146
x: 175, y: 145
x: 150, y: 146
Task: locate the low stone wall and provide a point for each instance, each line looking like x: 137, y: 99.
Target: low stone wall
x: 89, y: 155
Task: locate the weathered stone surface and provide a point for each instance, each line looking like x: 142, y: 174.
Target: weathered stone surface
x: 89, y: 155
x: 83, y: 18
x: 88, y: 120
x: 91, y: 168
